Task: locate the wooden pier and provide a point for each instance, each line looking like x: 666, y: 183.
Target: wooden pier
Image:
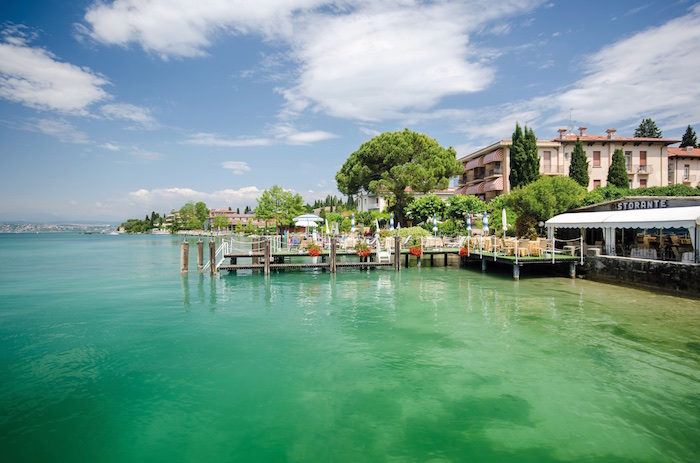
x: 262, y: 258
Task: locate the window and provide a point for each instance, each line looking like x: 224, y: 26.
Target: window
x: 628, y: 160
x: 547, y: 161
x: 686, y: 172
x: 596, y: 183
x: 642, y: 183
x: 596, y: 158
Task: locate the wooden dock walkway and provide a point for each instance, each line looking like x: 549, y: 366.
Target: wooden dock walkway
x: 264, y: 259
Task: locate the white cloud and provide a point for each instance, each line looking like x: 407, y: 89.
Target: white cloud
x: 129, y: 112
x: 144, y: 155
x: 278, y: 134
x: 237, y: 167
x: 111, y: 147
x: 58, y: 128
x: 210, y: 139
x: 366, y: 60
x: 174, y: 198
x: 34, y: 77
x: 182, y: 28
x: 650, y: 74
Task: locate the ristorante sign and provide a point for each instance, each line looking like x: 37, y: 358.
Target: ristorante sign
x: 645, y: 204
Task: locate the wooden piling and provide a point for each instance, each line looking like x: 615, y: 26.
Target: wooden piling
x: 333, y: 255
x: 397, y: 253
x: 212, y: 256
x: 184, y: 256
x: 266, y: 255
x: 200, y: 255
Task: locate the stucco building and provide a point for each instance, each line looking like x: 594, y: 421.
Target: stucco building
x: 486, y: 170
x: 684, y: 166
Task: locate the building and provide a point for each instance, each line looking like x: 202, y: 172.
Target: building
x: 486, y: 171
x: 367, y: 201
x: 236, y: 218
x: 684, y: 166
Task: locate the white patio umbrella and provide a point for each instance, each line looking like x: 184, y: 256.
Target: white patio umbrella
x: 328, y: 231
x: 504, y: 219
x: 311, y: 217
x: 391, y: 222
x: 305, y: 223
x: 469, y: 224
x: 486, y: 223
x: 352, y: 222
x: 435, y: 224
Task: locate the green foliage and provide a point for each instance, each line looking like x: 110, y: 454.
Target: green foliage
x: 524, y: 158
x: 647, y: 129
x: 393, y: 161
x: 671, y: 190
x: 579, y: 165
x: 189, y: 219
x: 279, y: 205
x: 495, y: 211
x: 459, y: 204
x: 690, y: 138
x: 543, y: 199
x: 221, y: 222
x: 604, y: 194
x: 137, y: 226
x: 452, y: 227
x: 422, y: 209
x: 617, y: 172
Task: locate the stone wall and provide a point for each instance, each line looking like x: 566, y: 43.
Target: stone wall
x: 673, y: 277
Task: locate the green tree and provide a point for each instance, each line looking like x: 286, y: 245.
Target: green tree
x: 524, y: 158
x: 517, y: 158
x: 279, y: 205
x: 424, y: 208
x: 393, y: 161
x: 188, y: 217
x: 647, y: 129
x: 617, y: 172
x: 201, y: 211
x: 221, y: 221
x: 543, y: 199
x: 579, y: 165
x: 690, y: 138
x: 458, y: 205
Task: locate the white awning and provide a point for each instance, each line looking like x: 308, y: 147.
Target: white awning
x: 672, y: 217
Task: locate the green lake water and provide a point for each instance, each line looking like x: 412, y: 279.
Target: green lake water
x: 108, y: 354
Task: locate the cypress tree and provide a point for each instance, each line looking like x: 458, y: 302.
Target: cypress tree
x: 517, y: 159
x: 579, y: 165
x: 532, y: 157
x: 690, y: 138
x: 617, y: 173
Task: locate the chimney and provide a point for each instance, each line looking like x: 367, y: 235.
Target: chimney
x: 611, y: 133
x: 582, y: 130
x: 561, y: 133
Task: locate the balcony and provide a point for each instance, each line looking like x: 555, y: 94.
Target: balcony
x: 641, y: 169
x: 552, y: 170
x: 494, y: 172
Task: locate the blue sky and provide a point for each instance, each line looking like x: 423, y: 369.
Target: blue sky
x: 113, y: 109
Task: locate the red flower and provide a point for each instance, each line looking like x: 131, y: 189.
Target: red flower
x: 416, y: 251
x: 464, y: 252
x: 314, y: 250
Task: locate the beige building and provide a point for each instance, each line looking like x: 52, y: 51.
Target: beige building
x: 684, y: 166
x: 486, y: 170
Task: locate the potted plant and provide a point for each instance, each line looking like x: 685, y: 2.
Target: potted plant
x: 464, y: 251
x: 314, y: 250
x: 362, y: 249
x: 416, y: 250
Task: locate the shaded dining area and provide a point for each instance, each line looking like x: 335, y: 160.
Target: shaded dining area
x: 667, y: 234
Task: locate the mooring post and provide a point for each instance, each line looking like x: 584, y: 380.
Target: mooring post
x: 266, y: 256
x: 445, y: 258
x: 332, y: 256
x: 212, y: 256
x: 483, y: 264
x: 200, y: 254
x: 572, y: 269
x: 256, y: 248
x: 397, y: 253
x: 432, y: 260
x: 184, y: 256
x: 418, y: 261
x: 516, y: 272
